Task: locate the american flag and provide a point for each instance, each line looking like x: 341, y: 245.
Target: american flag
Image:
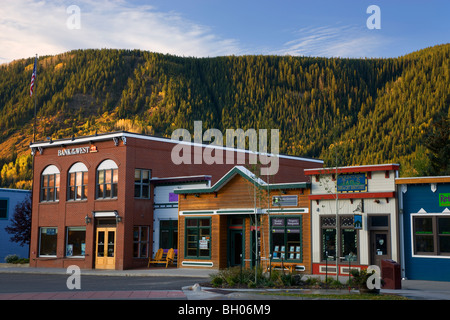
x: 33, y: 77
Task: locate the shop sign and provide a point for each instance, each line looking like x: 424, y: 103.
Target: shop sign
x: 173, y: 197
x: 352, y: 182
x: 444, y: 199
x: 75, y: 151
x: 203, y: 244
x: 285, y: 200
x: 278, y: 222
x: 293, y: 222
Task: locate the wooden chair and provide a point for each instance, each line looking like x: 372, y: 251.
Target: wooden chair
x: 170, y: 257
x: 157, y: 258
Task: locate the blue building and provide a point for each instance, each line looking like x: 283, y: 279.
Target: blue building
x: 424, y: 205
x: 9, y: 198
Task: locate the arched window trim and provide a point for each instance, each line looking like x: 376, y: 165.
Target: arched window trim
x: 78, y: 167
x: 107, y: 164
x: 51, y: 169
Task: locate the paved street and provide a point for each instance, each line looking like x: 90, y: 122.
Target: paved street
x: 15, y: 283
x: 25, y: 283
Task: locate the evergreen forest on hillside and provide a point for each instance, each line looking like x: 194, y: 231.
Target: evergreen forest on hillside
x: 358, y: 111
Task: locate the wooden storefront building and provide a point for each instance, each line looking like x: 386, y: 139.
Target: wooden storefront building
x: 218, y: 225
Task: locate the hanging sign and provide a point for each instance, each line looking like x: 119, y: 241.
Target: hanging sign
x: 357, y: 221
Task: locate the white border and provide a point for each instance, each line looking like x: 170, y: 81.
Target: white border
x: 412, y: 234
x: 230, y: 211
x: 102, y: 214
x: 203, y: 264
x: 103, y: 137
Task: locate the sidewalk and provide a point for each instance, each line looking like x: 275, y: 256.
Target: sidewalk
x: 413, y: 289
x: 148, y: 272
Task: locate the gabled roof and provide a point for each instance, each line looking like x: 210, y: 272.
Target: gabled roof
x: 249, y: 176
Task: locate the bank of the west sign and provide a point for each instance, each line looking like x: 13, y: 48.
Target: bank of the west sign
x: 74, y: 151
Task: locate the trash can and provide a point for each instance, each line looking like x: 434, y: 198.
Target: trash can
x: 390, y: 273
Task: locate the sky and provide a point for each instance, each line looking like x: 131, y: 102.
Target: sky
x: 209, y: 28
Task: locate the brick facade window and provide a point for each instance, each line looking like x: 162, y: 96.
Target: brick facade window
x: 141, y: 241
x: 50, y: 184
x: 107, y: 179
x: 78, y: 181
x: 47, y: 241
x: 142, y: 183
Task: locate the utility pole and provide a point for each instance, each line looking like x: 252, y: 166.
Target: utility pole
x: 337, y: 218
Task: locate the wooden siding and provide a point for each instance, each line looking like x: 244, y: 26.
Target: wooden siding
x: 239, y: 193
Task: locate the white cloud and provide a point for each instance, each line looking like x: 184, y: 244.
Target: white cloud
x: 336, y: 41
x: 28, y: 27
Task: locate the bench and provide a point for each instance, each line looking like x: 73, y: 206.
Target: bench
x: 288, y: 266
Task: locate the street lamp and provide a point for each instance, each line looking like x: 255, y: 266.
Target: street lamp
x: 87, y: 219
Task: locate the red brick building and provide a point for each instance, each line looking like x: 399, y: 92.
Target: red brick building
x: 93, y: 196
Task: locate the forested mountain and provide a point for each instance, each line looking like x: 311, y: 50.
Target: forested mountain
x: 372, y: 110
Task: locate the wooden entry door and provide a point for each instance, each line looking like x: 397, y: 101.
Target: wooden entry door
x: 381, y: 247
x: 105, y: 253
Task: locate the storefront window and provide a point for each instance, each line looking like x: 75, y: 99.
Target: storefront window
x: 348, y: 241
x: 47, y: 241
x: 50, y: 184
x: 286, y: 238
x: 140, y: 241
x: 328, y: 244
x: 76, y: 242
x: 198, y: 237
x: 349, y: 244
x: 444, y: 235
x: 424, y: 238
x: 431, y: 235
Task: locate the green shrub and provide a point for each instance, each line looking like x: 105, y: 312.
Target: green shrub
x: 12, y: 258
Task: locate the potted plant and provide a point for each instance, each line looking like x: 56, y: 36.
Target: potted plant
x: 361, y: 278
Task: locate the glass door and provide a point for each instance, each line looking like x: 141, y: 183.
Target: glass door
x: 105, y: 248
